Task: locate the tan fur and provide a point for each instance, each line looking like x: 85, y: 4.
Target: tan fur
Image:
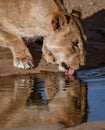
x: 27, y: 19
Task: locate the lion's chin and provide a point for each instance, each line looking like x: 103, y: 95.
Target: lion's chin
x: 62, y: 69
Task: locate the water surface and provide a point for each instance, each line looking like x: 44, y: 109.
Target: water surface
x: 51, y: 98
x: 95, y: 80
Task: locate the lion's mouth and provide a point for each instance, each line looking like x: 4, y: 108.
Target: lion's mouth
x: 70, y: 72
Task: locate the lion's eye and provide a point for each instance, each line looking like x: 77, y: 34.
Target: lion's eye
x: 75, y: 44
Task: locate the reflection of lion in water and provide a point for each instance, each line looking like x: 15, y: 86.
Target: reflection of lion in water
x: 62, y: 32
x: 24, y: 105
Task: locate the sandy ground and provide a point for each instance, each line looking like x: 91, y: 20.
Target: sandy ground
x: 94, y: 25
x: 85, y: 126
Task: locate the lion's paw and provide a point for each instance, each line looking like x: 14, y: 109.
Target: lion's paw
x: 24, y: 63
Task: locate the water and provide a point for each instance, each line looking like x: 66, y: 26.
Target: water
x: 95, y: 80
x: 51, y: 98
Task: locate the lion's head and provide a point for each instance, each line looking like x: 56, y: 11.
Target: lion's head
x: 67, y: 41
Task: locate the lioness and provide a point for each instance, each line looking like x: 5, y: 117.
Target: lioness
x: 62, y: 32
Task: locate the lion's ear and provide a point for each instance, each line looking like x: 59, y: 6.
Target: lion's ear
x: 59, y: 21
x: 77, y: 13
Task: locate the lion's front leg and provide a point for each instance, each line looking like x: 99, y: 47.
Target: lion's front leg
x: 21, y: 55
x: 47, y: 55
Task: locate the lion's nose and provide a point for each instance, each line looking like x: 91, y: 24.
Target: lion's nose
x: 65, y: 65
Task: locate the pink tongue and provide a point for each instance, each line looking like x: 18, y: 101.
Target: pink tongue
x: 70, y: 72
